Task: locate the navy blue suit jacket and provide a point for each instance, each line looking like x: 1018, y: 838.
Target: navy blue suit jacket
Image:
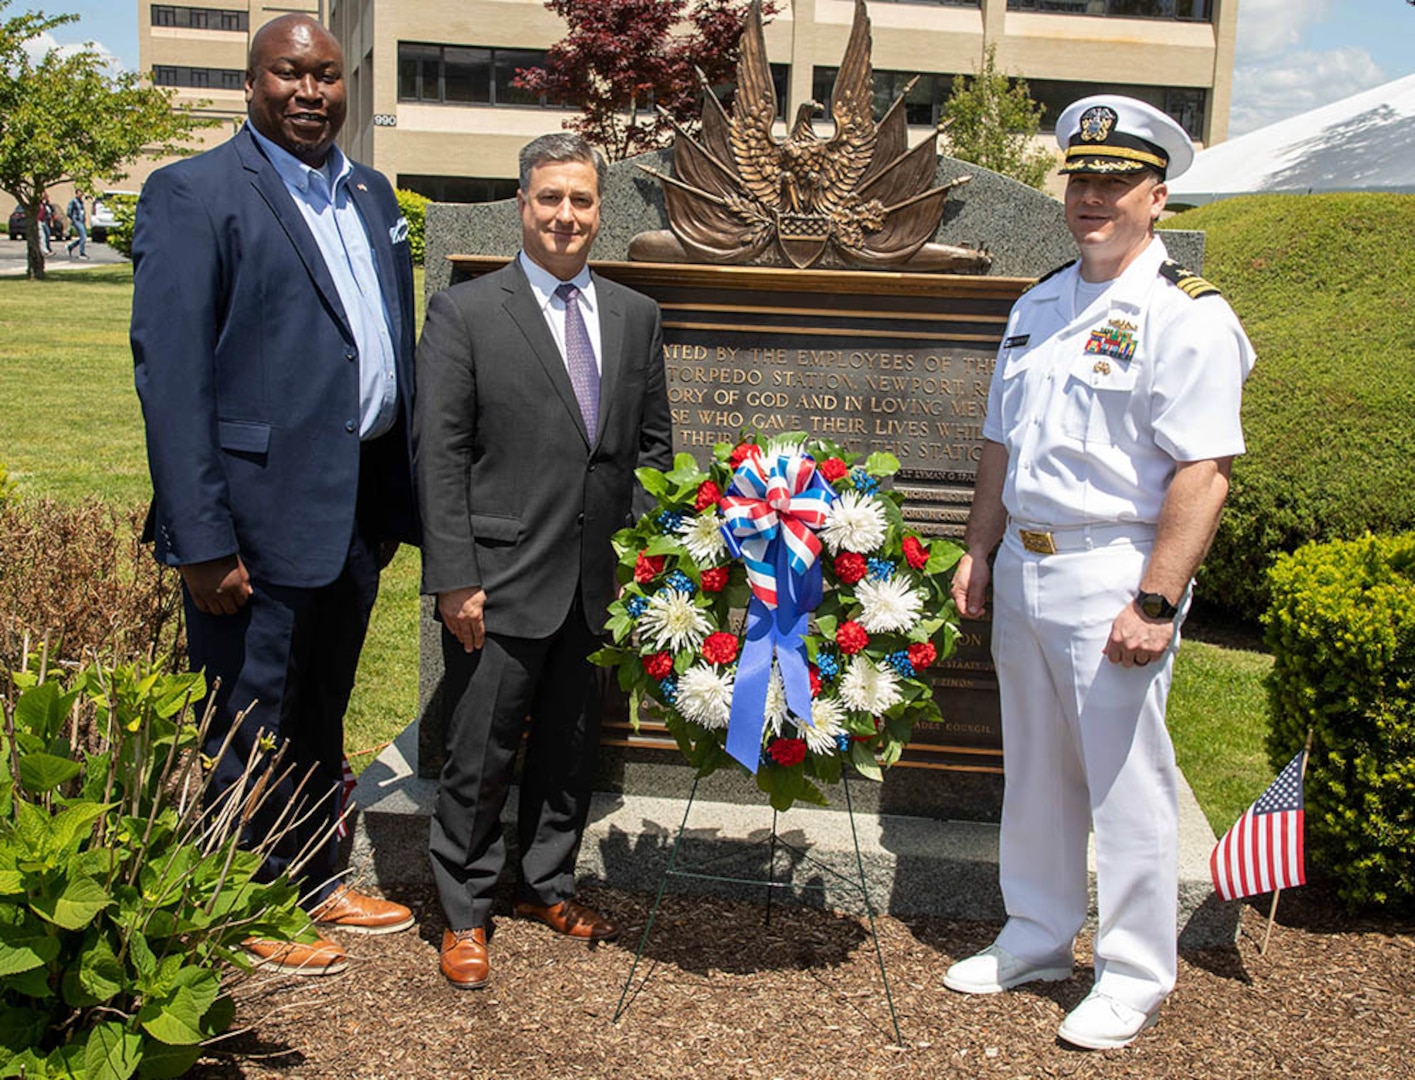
x: 249, y: 375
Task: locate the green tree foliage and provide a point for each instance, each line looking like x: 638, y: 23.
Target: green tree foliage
x: 1342, y: 631
x: 65, y: 118
x: 991, y: 120
x: 125, y: 212
x: 413, y: 207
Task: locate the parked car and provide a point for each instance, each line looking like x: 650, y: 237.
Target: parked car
x: 17, y: 222
x: 103, y: 218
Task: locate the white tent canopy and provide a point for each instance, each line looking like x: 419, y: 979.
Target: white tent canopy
x: 1362, y: 143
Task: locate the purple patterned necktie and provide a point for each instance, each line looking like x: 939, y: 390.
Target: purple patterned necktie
x: 579, y: 358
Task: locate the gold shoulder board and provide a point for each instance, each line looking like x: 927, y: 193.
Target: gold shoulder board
x: 1191, y: 284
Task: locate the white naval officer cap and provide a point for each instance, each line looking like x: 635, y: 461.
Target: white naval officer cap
x: 1109, y: 133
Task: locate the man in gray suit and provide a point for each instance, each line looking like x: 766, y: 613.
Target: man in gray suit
x: 540, y: 390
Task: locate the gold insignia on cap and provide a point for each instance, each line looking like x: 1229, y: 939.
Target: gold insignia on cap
x: 1101, y: 368
x: 1096, y: 123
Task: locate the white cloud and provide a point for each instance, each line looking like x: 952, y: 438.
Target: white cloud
x: 40, y: 45
x: 1295, y: 82
x: 1266, y: 27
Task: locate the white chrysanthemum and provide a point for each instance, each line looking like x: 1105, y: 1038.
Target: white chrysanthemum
x: 888, y: 605
x: 705, y: 695
x: 866, y: 688
x: 855, y: 522
x: 776, y: 711
x: 702, y: 536
x: 673, y: 622
x: 827, y: 721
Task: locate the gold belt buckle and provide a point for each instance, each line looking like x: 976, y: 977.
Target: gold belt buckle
x: 1038, y: 543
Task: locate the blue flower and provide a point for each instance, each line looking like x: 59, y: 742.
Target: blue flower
x: 880, y: 569
x: 864, y: 482
x: 828, y: 666
x: 636, y: 606
x: 681, y: 582
x: 669, y: 520
x: 899, y: 661
x: 842, y: 742
x: 669, y: 689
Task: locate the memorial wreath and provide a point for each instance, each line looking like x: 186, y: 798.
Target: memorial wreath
x: 776, y: 612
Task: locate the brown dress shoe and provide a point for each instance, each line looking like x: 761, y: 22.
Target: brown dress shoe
x: 571, y: 918
x: 318, y: 957
x: 359, y: 913
x: 464, y: 959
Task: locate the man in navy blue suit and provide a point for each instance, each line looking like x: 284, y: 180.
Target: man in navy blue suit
x: 273, y: 346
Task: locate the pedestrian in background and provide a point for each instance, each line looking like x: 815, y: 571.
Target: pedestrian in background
x: 78, y: 219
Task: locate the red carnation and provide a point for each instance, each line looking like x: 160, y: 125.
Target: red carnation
x: 850, y: 567
x: 647, y: 567
x: 922, y: 654
x: 659, y: 665
x: 720, y: 648
x: 815, y: 681
x: 851, y: 637
x: 833, y: 469
x: 787, y: 752
x: 915, y: 553
x: 715, y: 579
x: 708, y: 494
x: 741, y: 452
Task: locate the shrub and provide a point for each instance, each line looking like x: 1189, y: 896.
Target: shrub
x: 1327, y: 411
x: 120, y: 236
x: 414, y: 207
x: 122, y: 902
x: 78, y: 575
x: 7, y: 487
x: 1342, y: 631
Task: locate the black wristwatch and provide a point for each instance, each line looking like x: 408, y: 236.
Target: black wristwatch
x: 1155, y: 605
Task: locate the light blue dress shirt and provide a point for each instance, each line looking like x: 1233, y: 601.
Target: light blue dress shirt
x: 322, y: 197
x: 544, y: 283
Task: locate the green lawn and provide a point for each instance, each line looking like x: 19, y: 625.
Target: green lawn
x: 70, y: 427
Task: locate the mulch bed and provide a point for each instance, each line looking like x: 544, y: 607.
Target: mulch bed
x: 728, y: 996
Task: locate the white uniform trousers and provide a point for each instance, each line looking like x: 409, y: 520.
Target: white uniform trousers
x: 1085, y: 746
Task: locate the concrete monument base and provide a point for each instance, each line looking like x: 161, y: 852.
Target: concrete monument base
x: 913, y: 865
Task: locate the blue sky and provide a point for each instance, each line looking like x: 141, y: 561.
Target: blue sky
x: 1293, y: 55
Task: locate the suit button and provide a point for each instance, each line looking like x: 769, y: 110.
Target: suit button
x: 350, y: 354
x: 592, y: 467
x: 579, y: 519
x: 350, y: 426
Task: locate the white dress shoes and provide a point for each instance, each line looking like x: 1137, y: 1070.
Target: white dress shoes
x: 1102, y: 1023
x: 995, y: 969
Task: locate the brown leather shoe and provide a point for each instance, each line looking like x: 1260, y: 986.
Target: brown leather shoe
x: 318, y: 957
x: 464, y: 959
x: 359, y: 913
x: 571, y: 918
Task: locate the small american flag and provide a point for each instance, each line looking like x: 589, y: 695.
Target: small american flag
x: 1264, y: 849
x: 350, y: 782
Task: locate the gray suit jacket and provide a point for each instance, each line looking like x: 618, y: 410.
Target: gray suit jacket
x: 517, y: 498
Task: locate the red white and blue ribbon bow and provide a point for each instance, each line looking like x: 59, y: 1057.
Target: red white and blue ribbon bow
x: 773, y: 509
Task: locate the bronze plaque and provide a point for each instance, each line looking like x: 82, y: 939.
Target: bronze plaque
x: 874, y: 361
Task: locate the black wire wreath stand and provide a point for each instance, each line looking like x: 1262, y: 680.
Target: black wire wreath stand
x: 856, y: 884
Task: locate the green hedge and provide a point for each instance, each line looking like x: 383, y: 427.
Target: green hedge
x: 414, y: 207
x: 1342, y: 632
x: 1320, y: 284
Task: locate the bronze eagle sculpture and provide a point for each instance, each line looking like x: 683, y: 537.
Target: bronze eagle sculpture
x: 858, y: 199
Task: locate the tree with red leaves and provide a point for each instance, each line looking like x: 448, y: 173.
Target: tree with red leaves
x: 624, y: 59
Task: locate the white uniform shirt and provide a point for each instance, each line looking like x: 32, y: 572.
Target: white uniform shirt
x: 1093, y: 436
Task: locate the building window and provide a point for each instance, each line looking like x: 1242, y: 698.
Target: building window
x: 1186, y: 10
x: 200, y: 18
x: 1185, y: 103
x: 199, y: 77
x: 461, y: 189
x: 464, y: 74
x: 922, y: 104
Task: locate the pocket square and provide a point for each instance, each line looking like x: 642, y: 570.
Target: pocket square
x: 398, y: 231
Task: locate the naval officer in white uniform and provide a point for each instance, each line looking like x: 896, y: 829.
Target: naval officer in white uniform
x: 1113, y: 417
